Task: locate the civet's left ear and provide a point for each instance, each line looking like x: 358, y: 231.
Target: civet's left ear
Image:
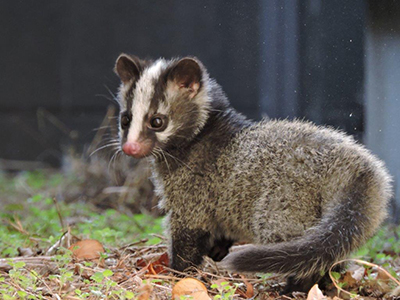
x: 187, y: 74
x: 127, y: 67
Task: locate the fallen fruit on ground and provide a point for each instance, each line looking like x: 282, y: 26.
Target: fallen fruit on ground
x: 190, y: 287
x: 87, y: 249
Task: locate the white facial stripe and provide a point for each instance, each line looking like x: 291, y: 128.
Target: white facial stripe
x: 163, y: 108
x: 120, y: 97
x: 143, y: 93
x: 163, y: 136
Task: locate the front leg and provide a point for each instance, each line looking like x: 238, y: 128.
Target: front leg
x: 188, y: 247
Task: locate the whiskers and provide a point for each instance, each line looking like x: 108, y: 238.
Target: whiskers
x: 115, y: 143
x: 161, y: 154
x: 112, y: 145
x: 156, y: 152
x: 114, y: 157
x: 111, y: 97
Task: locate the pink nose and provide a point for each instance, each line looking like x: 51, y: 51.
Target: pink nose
x: 132, y: 149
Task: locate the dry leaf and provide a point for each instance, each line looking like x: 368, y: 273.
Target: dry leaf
x: 190, y: 287
x: 87, y: 249
x: 349, y: 279
x: 382, y: 276
x: 358, y: 273
x: 249, y: 288
x: 157, y: 266
x: 315, y: 293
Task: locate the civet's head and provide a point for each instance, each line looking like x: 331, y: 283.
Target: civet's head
x: 164, y: 103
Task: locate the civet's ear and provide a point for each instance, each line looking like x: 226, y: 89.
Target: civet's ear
x: 127, y: 68
x: 187, y: 74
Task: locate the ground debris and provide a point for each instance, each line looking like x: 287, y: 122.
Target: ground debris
x: 142, y: 272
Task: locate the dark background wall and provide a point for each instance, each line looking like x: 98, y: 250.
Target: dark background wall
x: 314, y: 61
x: 281, y: 58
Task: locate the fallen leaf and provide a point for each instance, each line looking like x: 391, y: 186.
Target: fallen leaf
x: 190, y: 287
x: 358, y: 273
x: 349, y: 279
x: 87, y: 249
x: 382, y: 275
x: 157, y: 266
x: 249, y: 288
x: 315, y: 293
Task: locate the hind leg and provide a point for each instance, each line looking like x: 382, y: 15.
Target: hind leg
x: 300, y: 285
x: 326, y: 279
x: 305, y: 284
x: 220, y: 249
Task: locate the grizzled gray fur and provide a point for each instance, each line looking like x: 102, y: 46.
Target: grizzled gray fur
x: 304, y: 196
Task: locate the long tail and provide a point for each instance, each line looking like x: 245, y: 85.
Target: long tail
x: 341, y: 230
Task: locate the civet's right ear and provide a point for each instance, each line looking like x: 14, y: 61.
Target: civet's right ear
x: 126, y: 68
x: 187, y: 75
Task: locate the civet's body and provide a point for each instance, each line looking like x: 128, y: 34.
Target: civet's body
x: 304, y: 196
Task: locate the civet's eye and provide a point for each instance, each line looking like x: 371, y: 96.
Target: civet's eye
x: 125, y: 121
x: 158, y: 122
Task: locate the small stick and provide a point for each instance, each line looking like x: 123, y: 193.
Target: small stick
x: 59, y: 214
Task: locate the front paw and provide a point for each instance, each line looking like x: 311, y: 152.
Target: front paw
x: 188, y: 247
x: 180, y: 264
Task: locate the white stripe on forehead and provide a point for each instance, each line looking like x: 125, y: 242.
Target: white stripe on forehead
x: 142, y: 96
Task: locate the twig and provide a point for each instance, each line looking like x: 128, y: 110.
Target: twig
x: 142, y: 241
x: 29, y: 261
x: 60, y: 242
x: 18, y: 226
x: 161, y: 286
x: 159, y: 276
x: 59, y: 213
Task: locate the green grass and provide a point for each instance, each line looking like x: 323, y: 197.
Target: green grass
x: 39, y: 221
x: 43, y: 227
x: 383, y: 248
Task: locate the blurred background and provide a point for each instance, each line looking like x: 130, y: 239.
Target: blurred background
x: 335, y: 62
